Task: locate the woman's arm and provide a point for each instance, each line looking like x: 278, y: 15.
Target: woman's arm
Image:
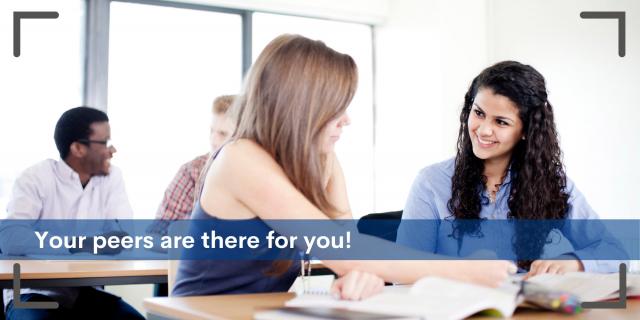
x: 590, y: 239
x: 253, y: 178
x: 419, y: 226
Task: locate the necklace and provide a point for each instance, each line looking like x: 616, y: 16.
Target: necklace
x: 492, y: 196
x: 492, y: 193
x: 492, y: 188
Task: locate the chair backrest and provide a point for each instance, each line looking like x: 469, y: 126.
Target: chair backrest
x: 382, y: 225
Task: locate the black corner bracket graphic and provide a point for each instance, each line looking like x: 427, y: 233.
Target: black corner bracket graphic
x: 18, y: 15
x: 19, y: 304
x: 620, y: 15
x: 622, y: 298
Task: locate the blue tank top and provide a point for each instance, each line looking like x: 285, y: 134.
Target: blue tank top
x: 207, y: 277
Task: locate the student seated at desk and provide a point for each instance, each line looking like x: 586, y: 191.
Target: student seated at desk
x: 177, y: 202
x: 508, y: 166
x: 281, y: 164
x: 178, y: 199
x: 81, y: 185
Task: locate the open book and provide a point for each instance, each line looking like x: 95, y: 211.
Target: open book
x: 590, y: 287
x: 438, y: 298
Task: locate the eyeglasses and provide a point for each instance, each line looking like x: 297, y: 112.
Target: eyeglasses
x: 106, y: 143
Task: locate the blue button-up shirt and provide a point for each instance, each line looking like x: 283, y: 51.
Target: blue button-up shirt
x: 428, y: 200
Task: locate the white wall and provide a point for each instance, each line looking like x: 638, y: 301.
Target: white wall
x: 427, y: 53
x: 592, y: 89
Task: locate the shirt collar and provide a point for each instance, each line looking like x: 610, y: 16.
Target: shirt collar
x: 66, y: 172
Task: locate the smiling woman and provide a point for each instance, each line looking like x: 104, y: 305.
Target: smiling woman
x: 494, y: 126
x: 508, y: 166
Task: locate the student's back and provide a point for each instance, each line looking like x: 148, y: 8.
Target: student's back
x: 206, y: 277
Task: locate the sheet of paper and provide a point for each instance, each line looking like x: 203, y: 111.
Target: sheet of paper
x: 431, y: 298
x: 587, y: 286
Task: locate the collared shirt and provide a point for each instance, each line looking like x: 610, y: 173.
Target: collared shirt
x: 428, y: 200
x: 52, y: 190
x: 178, y: 199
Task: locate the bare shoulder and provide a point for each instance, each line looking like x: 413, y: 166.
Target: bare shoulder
x: 243, y: 148
x: 241, y: 164
x: 229, y: 177
x: 244, y: 155
x: 242, y: 175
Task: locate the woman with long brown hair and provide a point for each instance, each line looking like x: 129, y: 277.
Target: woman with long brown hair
x: 280, y: 164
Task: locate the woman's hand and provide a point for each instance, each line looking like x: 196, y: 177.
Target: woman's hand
x: 357, y: 285
x: 554, y: 267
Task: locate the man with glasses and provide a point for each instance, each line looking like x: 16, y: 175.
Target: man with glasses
x: 81, y: 185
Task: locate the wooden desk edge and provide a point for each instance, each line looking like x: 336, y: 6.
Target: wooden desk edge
x: 27, y: 272
x: 191, y: 308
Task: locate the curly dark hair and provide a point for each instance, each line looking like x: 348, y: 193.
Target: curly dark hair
x: 538, y: 179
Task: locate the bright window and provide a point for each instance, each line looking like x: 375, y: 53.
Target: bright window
x: 166, y: 65
x: 39, y: 85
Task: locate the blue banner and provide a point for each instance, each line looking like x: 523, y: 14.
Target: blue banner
x: 254, y: 239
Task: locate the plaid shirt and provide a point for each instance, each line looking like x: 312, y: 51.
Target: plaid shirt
x: 177, y: 202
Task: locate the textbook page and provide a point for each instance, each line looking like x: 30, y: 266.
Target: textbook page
x: 589, y: 286
x: 431, y: 298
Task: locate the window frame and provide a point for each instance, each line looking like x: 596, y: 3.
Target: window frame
x: 96, y: 52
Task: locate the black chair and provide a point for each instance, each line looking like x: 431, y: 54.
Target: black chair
x: 160, y: 290
x: 382, y: 225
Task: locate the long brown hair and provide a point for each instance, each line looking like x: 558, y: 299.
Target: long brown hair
x: 295, y: 87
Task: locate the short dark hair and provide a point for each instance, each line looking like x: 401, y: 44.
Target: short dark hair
x: 74, y: 125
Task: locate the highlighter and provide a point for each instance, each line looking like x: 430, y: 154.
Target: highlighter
x: 559, y: 301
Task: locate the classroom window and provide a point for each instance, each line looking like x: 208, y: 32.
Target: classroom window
x: 164, y: 71
x: 40, y: 84
x: 355, y: 148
